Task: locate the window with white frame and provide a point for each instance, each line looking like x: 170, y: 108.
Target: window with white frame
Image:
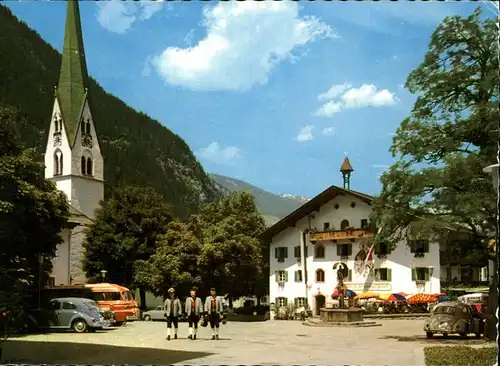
x: 383, y: 274
x: 320, y: 275
x: 300, y: 301
x: 281, y: 302
x: 281, y: 253
x: 281, y: 276
x: 420, y: 274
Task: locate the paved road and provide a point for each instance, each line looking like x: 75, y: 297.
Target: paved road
x: 396, y: 342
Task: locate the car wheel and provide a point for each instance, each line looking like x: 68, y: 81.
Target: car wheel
x: 119, y: 324
x: 79, y: 326
x: 147, y: 318
x: 429, y: 334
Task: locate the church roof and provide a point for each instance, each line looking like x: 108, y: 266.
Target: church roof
x: 73, y: 77
x: 78, y: 218
x: 310, y: 206
x: 346, y: 166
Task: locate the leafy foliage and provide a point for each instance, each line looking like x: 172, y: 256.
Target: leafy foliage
x: 231, y: 257
x: 438, y: 185
x: 125, y: 230
x: 32, y: 214
x: 460, y: 355
x: 174, y: 263
x: 137, y: 149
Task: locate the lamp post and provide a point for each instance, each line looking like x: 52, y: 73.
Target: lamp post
x: 493, y: 169
x: 103, y: 274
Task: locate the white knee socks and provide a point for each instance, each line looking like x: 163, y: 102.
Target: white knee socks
x: 168, y: 332
x: 175, y: 330
x: 213, y: 331
x: 190, y: 331
x: 195, y: 331
x: 216, y: 331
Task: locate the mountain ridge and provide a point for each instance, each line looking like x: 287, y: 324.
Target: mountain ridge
x: 272, y: 206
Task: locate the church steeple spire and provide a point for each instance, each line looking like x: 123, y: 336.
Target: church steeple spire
x: 73, y: 78
x: 346, y: 169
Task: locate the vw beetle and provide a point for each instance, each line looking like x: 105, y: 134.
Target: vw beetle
x: 453, y: 317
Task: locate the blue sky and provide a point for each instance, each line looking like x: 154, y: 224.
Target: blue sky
x: 273, y: 93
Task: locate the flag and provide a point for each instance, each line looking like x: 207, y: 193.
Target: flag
x: 369, y: 256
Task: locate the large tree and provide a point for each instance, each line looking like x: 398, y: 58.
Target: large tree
x: 174, y: 264
x: 32, y: 214
x: 231, y: 257
x: 125, y: 230
x: 437, y: 184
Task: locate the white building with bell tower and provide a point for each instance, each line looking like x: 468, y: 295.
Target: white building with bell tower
x: 73, y: 158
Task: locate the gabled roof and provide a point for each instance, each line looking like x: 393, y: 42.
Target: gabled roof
x: 310, y: 206
x: 73, y: 77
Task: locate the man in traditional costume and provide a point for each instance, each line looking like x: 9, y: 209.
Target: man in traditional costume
x: 214, y: 309
x: 194, y: 309
x: 173, y: 310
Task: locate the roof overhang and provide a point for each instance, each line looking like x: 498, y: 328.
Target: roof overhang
x: 310, y: 206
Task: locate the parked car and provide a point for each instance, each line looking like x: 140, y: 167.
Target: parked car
x: 454, y: 317
x: 158, y: 313
x: 75, y: 313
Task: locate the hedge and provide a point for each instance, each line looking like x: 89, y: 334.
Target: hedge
x: 460, y: 356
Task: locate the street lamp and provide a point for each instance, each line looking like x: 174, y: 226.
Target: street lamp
x: 103, y: 274
x: 493, y: 169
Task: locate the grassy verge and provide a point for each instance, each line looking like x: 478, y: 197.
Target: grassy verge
x: 460, y: 356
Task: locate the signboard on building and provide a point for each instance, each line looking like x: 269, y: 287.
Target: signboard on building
x: 339, y: 235
x: 375, y: 286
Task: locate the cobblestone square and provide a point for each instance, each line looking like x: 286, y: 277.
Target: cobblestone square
x: 395, y: 342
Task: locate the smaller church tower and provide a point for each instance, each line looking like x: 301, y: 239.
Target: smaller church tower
x: 346, y: 169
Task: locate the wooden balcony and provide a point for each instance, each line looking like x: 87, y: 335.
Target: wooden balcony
x: 341, y: 235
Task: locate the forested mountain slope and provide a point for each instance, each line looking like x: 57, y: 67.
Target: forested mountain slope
x: 136, y: 148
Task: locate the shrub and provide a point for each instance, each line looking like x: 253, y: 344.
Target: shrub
x: 460, y: 356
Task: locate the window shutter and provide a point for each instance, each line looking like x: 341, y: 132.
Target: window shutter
x: 349, y: 275
x: 427, y: 274
x: 285, y: 300
x: 277, y: 276
x: 296, y: 276
x: 413, y: 274
x: 426, y: 246
x: 339, y: 252
x: 286, y: 276
x: 412, y: 246
x: 296, y: 251
x: 377, y: 248
x: 276, y: 252
x: 389, y: 274
x: 349, y: 250
x: 285, y: 252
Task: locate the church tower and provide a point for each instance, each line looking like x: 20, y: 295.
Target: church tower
x: 73, y: 158
x: 346, y: 170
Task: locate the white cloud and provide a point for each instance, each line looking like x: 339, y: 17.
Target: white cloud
x: 343, y: 96
x: 334, y: 91
x: 328, y: 109
x: 305, y: 134
x: 119, y: 16
x: 329, y: 131
x: 220, y: 155
x: 380, y: 166
x: 368, y: 96
x: 244, y: 41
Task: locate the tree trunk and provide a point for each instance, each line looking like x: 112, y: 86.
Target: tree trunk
x: 230, y: 302
x: 491, y: 319
x: 142, y: 295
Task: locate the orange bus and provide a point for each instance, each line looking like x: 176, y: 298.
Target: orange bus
x: 116, y: 298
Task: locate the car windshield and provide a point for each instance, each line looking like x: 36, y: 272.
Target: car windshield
x: 106, y: 296
x: 128, y: 296
x: 451, y: 310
